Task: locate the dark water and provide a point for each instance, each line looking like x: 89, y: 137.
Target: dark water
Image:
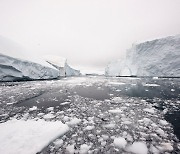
x: 174, y: 119
x: 93, y: 92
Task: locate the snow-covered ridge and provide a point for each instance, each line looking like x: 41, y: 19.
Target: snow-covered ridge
x: 160, y: 57
x: 16, y: 69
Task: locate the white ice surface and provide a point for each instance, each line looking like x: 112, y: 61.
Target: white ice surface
x: 13, y: 68
x: 120, y: 142
x: 160, y: 57
x: 74, y: 121
x: 138, y: 148
x: 28, y: 137
x: 84, y: 149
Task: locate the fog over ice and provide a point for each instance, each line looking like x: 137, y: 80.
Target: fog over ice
x: 88, y: 33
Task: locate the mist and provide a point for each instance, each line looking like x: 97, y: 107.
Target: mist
x: 88, y: 33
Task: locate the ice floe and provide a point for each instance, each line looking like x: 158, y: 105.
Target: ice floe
x: 18, y: 136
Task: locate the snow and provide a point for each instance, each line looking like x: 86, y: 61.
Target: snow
x: 120, y: 142
x: 160, y: 57
x: 18, y: 136
x: 13, y: 69
x: 138, y: 148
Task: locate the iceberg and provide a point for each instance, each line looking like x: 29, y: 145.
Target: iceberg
x: 17, y: 64
x: 14, y: 69
x: 160, y: 57
x: 61, y: 64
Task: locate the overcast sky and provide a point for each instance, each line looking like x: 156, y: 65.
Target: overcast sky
x: 89, y: 33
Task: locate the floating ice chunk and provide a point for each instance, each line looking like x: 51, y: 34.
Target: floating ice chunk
x: 163, y: 122
x: 103, y: 143
x: 89, y: 128
x: 74, y: 121
x: 146, y: 121
x: 155, y: 78
x: 117, y: 99
x: 40, y: 114
x: 165, y: 111
x: 50, y: 109
x: 58, y: 143
x: 127, y: 122
x: 151, y: 85
x: 149, y: 110
x: 116, y: 83
x: 166, y: 147
x: 109, y: 126
x: 48, y: 116
x: 25, y: 116
x: 160, y: 132
x: 33, y: 108
x: 18, y: 136
x: 66, y: 118
x: 65, y: 103
x: 105, y: 137
x: 70, y: 149
x: 120, y: 142
x: 138, y: 148
x: 154, y: 150
x: 84, y: 149
x: 115, y: 111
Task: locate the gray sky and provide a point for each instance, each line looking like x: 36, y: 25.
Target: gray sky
x: 89, y: 33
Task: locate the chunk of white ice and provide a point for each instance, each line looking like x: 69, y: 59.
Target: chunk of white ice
x: 18, y: 136
x: 138, y: 148
x: 120, y: 142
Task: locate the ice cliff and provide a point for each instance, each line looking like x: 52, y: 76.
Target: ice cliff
x: 160, y: 57
x: 18, y: 64
x: 13, y: 69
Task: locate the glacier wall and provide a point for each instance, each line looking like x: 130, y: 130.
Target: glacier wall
x: 13, y: 69
x: 160, y: 57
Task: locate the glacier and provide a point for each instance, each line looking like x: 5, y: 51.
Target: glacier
x: 14, y: 69
x: 61, y: 64
x: 160, y: 57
